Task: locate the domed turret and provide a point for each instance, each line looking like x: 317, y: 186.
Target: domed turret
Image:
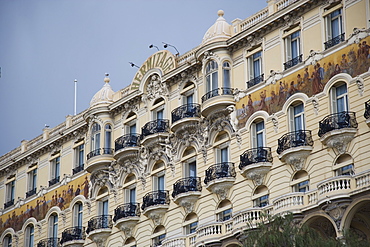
x: 104, y: 95
x: 220, y: 31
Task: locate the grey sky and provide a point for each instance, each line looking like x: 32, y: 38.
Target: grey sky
x: 46, y: 44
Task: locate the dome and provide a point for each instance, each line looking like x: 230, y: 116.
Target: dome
x: 104, y: 95
x: 220, y: 31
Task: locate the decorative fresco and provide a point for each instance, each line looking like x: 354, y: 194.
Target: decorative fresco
x: 38, y: 208
x: 353, y: 60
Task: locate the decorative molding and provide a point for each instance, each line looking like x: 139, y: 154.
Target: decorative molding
x: 274, y: 77
x: 156, y: 88
x: 357, y: 35
x: 360, y: 84
x: 313, y: 58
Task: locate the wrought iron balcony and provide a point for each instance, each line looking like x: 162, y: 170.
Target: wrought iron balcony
x: 255, y: 155
x: 31, y: 192
x: 220, y: 170
x: 186, y: 111
x: 54, y: 181
x: 294, y: 139
x: 184, y: 185
x: 293, y: 62
x: 159, y: 197
x: 154, y: 127
x: 367, y: 110
x: 217, y: 92
x: 334, y: 41
x: 99, y: 222
x: 128, y: 140
x: 72, y: 234
x: 100, y: 151
x: 126, y: 210
x: 337, y: 121
x: 255, y: 81
x: 78, y: 169
x: 48, y: 242
x: 9, y: 203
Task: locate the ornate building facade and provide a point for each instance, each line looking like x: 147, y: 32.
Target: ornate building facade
x: 267, y: 115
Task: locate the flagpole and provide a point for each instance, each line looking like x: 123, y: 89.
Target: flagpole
x: 75, y: 105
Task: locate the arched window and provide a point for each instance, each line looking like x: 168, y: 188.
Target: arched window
x: 222, y: 147
x: 224, y: 210
x: 190, y: 223
x: 158, y: 109
x: 29, y: 236
x: 95, y: 137
x: 226, y: 76
x: 211, y: 76
x: 8, y: 241
x: 53, y: 228
x: 300, y: 182
x: 339, y: 98
x: 296, y: 116
x: 158, y: 176
x: 159, y: 234
x: 188, y: 93
x: 130, y: 189
x: 258, y: 137
x: 261, y: 196
x: 108, y: 136
x: 78, y: 215
x: 344, y: 166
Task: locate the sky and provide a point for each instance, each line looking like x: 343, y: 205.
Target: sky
x: 46, y: 44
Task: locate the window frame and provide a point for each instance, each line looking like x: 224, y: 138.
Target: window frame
x: 95, y: 137
x: 251, y: 60
x: 334, y: 98
x: 29, y: 237
x: 293, y: 116
x: 211, y: 75
x: 254, y: 133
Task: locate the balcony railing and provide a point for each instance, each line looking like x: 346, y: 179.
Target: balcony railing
x: 48, y: 242
x: 255, y: 155
x: 186, y: 111
x: 78, y: 169
x: 9, y: 203
x: 334, y: 41
x: 255, y: 81
x: 184, y: 185
x: 126, y: 210
x: 337, y: 121
x: 294, y: 139
x: 54, y: 181
x: 217, y: 92
x: 31, y: 192
x: 100, y: 151
x: 159, y: 197
x: 99, y: 222
x: 367, y: 110
x: 128, y: 140
x: 154, y: 127
x: 72, y: 234
x: 293, y: 62
x: 220, y: 170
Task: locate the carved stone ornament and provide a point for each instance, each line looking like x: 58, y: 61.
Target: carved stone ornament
x: 155, y: 89
x: 360, y: 84
x: 357, y: 35
x: 100, y: 238
x: 127, y: 231
x: 257, y: 178
x: 239, y: 94
x: 16, y: 238
x: 185, y: 77
x: 39, y: 228
x: 88, y: 204
x: 275, y: 122
x: 339, y: 139
x: 336, y: 210
x: 64, y: 217
x: 274, y: 77
x: 313, y: 58
x: 296, y: 157
x: 315, y: 103
x: 156, y: 217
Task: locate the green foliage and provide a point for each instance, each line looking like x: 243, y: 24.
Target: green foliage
x: 284, y: 231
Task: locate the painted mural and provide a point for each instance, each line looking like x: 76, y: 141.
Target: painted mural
x: 353, y: 60
x: 38, y: 208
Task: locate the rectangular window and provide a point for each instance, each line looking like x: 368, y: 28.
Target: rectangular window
x: 10, y: 193
x: 297, y: 117
x: 261, y: 201
x: 345, y: 170
x: 32, y: 182
x: 225, y: 215
x: 157, y: 241
x: 79, y: 153
x: 293, y: 49
x: 255, y: 69
x: 334, y: 28
x: 160, y: 182
x: 301, y: 187
x: 192, y: 227
x: 55, y: 171
x: 339, y: 98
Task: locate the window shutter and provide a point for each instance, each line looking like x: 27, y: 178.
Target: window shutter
x: 328, y: 27
x: 75, y: 214
x: 50, y: 226
x: 253, y: 135
x: 27, y: 237
x: 333, y: 97
x: 291, y: 119
x: 288, y: 44
x: 250, y: 66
